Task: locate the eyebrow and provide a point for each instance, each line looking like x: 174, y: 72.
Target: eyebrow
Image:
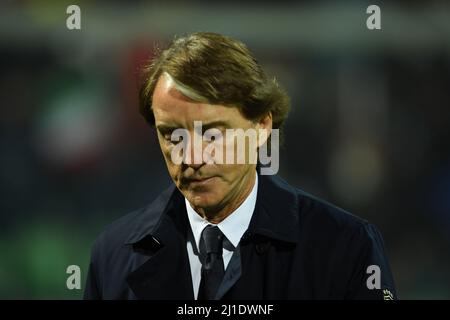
x: 215, y: 124
x: 205, y: 126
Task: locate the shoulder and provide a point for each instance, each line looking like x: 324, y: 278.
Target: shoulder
x: 309, y: 208
x: 320, y: 219
x: 317, y: 212
x: 328, y: 228
x: 132, y: 226
x: 330, y: 241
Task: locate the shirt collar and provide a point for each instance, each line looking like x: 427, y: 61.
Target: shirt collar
x: 233, y: 226
x: 278, y: 211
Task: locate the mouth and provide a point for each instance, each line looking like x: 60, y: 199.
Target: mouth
x: 200, y: 182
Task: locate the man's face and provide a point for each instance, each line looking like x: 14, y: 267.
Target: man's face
x: 208, y: 187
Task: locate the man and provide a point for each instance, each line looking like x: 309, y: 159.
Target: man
x: 223, y: 230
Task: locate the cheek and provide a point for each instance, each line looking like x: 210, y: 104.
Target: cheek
x: 165, y: 149
x: 232, y: 172
x: 167, y: 153
x: 174, y: 171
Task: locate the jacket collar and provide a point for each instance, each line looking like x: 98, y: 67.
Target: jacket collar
x: 161, y: 231
x: 276, y: 214
x: 159, y: 241
x: 277, y: 211
x: 149, y: 222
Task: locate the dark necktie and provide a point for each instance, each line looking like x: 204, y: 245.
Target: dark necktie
x: 212, y: 262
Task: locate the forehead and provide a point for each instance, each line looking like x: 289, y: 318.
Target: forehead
x: 171, y: 106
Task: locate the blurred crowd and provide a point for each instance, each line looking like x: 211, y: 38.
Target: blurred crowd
x: 368, y: 129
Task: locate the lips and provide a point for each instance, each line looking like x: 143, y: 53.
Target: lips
x: 200, y: 181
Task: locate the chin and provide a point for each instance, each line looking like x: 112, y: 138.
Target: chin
x: 204, y: 200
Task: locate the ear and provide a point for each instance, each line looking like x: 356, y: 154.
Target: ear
x: 264, y: 127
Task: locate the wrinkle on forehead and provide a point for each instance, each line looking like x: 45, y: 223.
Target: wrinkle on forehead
x: 171, y: 106
x: 168, y: 95
x: 170, y: 102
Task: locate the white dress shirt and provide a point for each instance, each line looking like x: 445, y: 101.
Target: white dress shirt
x: 233, y: 228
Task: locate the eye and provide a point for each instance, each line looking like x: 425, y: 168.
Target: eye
x: 166, y: 134
x: 213, y: 134
x: 168, y: 139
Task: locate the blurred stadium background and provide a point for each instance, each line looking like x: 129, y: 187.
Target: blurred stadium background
x: 369, y: 128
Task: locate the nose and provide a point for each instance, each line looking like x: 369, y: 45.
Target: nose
x: 193, y: 157
x: 195, y: 166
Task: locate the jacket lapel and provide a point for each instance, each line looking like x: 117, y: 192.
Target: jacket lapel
x: 166, y: 272
x: 271, y: 220
x: 160, y: 235
x: 232, y: 274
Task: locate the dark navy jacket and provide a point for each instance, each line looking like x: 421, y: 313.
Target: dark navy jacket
x: 296, y: 247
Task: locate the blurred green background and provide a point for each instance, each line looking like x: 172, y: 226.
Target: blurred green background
x: 368, y: 131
